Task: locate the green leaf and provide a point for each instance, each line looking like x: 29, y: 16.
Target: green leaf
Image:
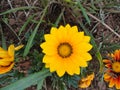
x: 26, y: 23
x: 39, y: 85
x: 28, y: 81
x: 59, y: 18
x: 84, y: 12
x: 3, y: 38
x: 16, y: 9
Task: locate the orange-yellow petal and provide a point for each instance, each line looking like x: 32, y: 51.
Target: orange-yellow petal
x: 117, y: 55
x: 117, y: 81
x: 107, y: 61
x: 85, y: 82
x: 112, y: 82
x: 108, y: 65
x: 6, y: 69
x: 88, y: 82
x: 83, y: 85
x: 106, y: 75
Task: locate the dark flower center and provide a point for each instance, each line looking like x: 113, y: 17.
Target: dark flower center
x: 64, y: 50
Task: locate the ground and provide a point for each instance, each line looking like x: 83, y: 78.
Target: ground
x: 18, y: 24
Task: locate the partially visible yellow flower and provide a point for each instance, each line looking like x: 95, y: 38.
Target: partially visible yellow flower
x: 7, y: 59
x: 85, y: 82
x: 66, y: 50
x: 112, y: 74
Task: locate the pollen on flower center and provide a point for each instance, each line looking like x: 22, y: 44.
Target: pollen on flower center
x: 64, y: 50
x: 116, y: 67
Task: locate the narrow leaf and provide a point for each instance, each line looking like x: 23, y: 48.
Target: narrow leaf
x: 26, y: 23
x: 3, y: 38
x: 39, y: 85
x: 28, y: 81
x: 16, y: 9
x: 84, y: 12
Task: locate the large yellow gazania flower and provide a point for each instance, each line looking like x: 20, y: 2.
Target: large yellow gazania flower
x: 7, y: 58
x: 112, y: 74
x: 66, y: 50
x: 85, y: 82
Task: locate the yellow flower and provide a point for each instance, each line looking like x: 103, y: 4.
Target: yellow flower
x: 7, y: 59
x: 66, y: 50
x: 112, y: 74
x: 85, y: 82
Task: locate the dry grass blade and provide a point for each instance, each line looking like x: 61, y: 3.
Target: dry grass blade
x: 30, y: 9
x: 9, y: 2
x: 108, y: 27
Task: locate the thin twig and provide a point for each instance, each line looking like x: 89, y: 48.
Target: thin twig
x: 108, y: 27
x: 12, y: 31
x: 9, y: 2
x: 30, y: 9
x: 28, y: 5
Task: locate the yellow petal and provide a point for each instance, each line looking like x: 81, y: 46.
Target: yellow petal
x: 6, y: 69
x: 19, y: 47
x: 87, y: 39
x: 73, y: 70
x: 52, y: 68
x: 47, y: 65
x: 67, y: 26
x: 88, y: 82
x: 3, y: 54
x: 86, y: 56
x: 11, y: 50
x: 85, y: 47
x: 53, y: 30
x: 84, y: 79
x: 83, y: 64
x: 1, y: 49
x: 51, y: 38
x: 91, y: 77
x: 48, y: 59
x: 4, y: 63
x: 107, y: 77
x: 49, y: 48
x: 60, y: 71
x: 61, y: 28
x: 74, y: 29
